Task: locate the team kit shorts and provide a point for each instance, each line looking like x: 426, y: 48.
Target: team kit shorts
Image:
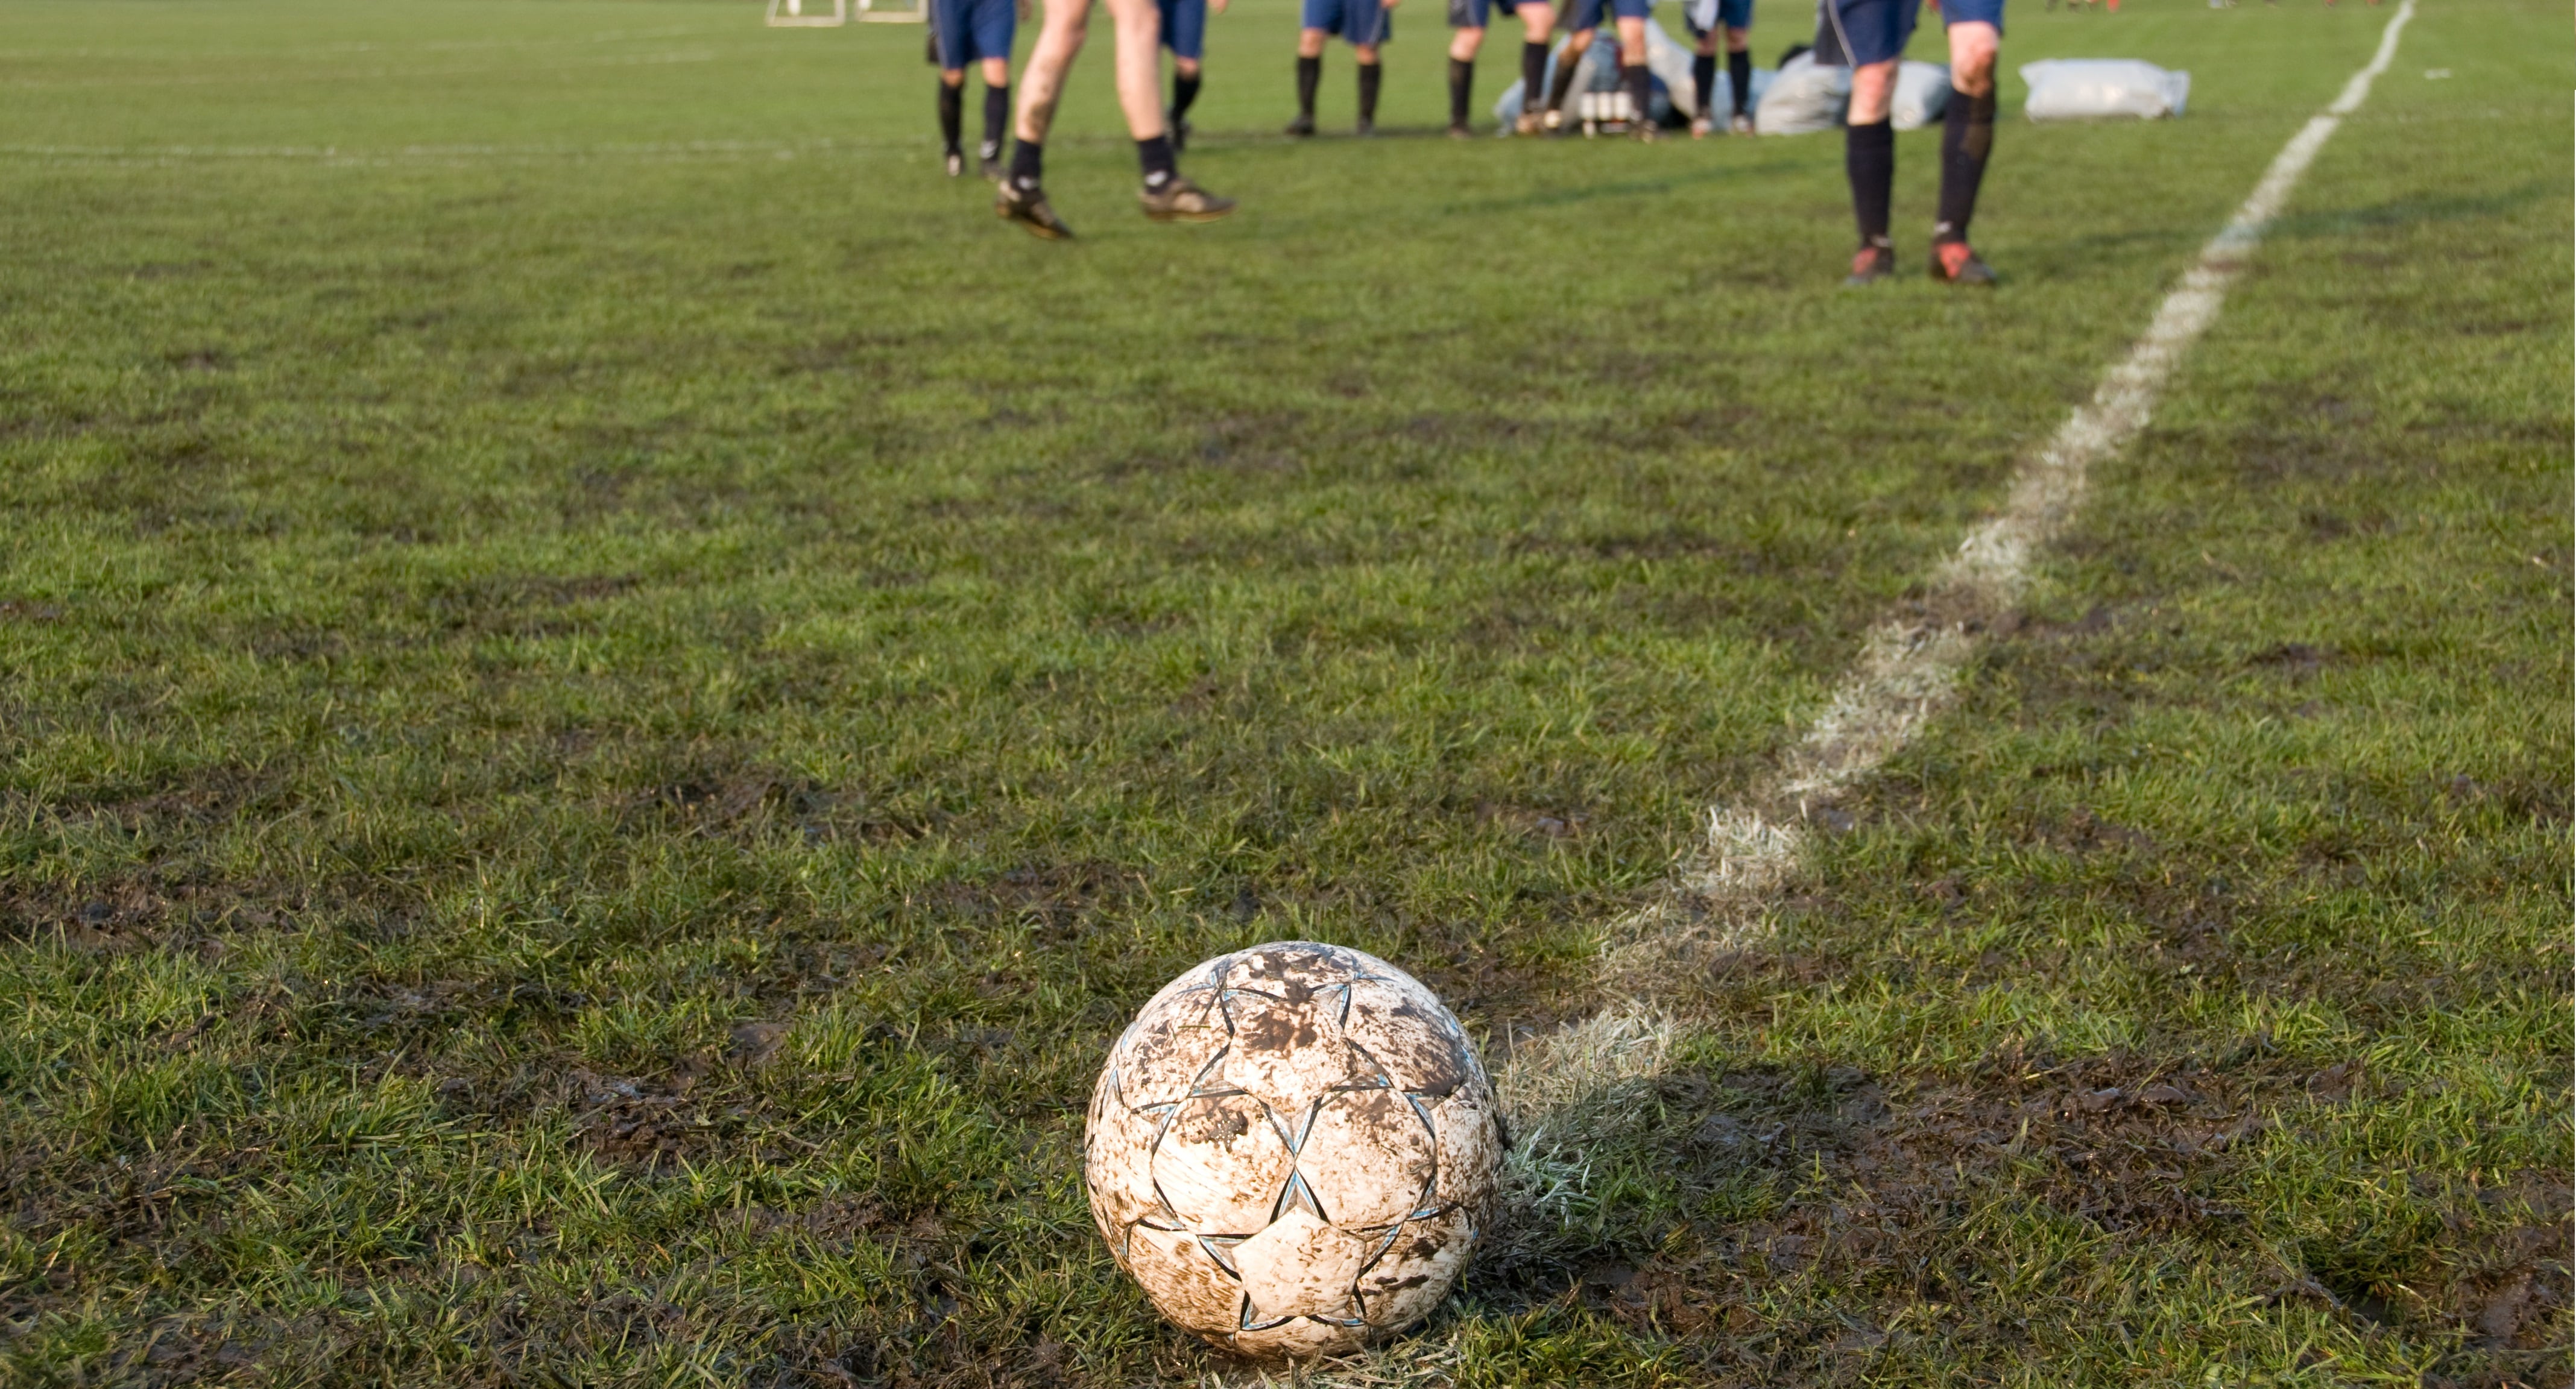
x: 1478, y: 14
x: 1699, y: 15
x: 1587, y: 13
x: 1360, y: 23
x: 1185, y: 28
x: 1856, y: 33
x: 964, y: 32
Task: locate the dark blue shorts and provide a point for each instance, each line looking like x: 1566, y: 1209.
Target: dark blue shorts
x: 1587, y: 13
x: 1974, y: 12
x: 1478, y: 14
x: 1359, y: 22
x: 1185, y: 28
x: 1731, y: 14
x: 1879, y: 29
x: 967, y: 31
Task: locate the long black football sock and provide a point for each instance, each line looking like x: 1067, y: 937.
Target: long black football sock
x: 1185, y: 91
x: 1310, y: 73
x: 952, y: 115
x: 997, y: 119
x: 1703, y: 82
x: 1641, y: 90
x: 1155, y: 157
x: 1739, y: 77
x: 1967, y: 137
x: 1533, y: 72
x: 1370, y: 75
x: 1869, y: 160
x: 1462, y: 85
x: 1566, y: 63
x: 1028, y: 164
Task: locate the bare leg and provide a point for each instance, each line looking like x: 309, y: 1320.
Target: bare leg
x: 1140, y: 65
x: 1042, y: 81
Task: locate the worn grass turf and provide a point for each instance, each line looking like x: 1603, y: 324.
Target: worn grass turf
x: 610, y: 693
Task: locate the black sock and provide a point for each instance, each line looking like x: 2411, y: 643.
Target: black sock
x: 1185, y: 90
x: 1739, y: 75
x: 1703, y: 82
x: 1310, y: 71
x: 1462, y: 86
x: 1370, y: 73
x: 1533, y: 72
x: 1967, y: 137
x: 1641, y: 90
x: 1028, y: 161
x: 997, y: 119
x: 1869, y: 160
x: 1566, y: 63
x: 1155, y: 156
x: 952, y: 115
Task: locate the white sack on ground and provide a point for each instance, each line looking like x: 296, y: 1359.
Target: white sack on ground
x: 1803, y: 98
x: 2071, y: 89
x: 1922, y: 94
x: 1598, y: 71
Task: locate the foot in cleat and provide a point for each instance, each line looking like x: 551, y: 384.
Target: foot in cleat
x: 1953, y: 263
x: 1871, y: 264
x: 1365, y: 128
x: 955, y: 163
x: 1553, y: 121
x: 1028, y: 207
x: 1741, y: 125
x: 1461, y: 132
x: 988, y: 160
x: 1180, y: 200
x: 1645, y: 132
x: 1701, y: 126
x: 1527, y: 124
x: 1303, y: 125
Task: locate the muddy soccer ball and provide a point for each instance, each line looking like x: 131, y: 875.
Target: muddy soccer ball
x: 1292, y: 1149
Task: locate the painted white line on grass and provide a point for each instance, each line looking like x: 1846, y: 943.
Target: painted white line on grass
x: 1907, y: 672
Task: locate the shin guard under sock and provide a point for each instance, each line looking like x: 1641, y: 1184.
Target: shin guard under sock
x: 1967, y: 137
x: 1703, y: 82
x: 1566, y: 63
x: 1310, y: 73
x: 1370, y: 75
x: 1739, y: 77
x: 1533, y: 71
x: 1185, y: 90
x: 952, y: 115
x: 1641, y: 90
x: 1869, y: 160
x: 997, y: 119
x: 1462, y: 84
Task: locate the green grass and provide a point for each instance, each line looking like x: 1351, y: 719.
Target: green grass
x: 609, y: 693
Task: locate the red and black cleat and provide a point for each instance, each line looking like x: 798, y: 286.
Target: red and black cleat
x: 1954, y: 264
x: 1871, y: 264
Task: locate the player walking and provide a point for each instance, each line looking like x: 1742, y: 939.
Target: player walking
x: 1167, y: 196
x: 1538, y: 19
x: 1185, y: 33
x: 1363, y: 24
x: 1869, y: 36
x: 974, y: 31
x: 1709, y: 20
x: 1586, y: 22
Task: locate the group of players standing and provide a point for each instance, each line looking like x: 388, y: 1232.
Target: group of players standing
x: 1869, y: 36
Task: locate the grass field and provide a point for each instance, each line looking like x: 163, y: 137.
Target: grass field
x: 609, y: 693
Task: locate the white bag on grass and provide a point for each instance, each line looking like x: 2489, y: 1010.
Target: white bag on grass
x: 2074, y: 89
x: 1804, y: 98
x: 1922, y: 94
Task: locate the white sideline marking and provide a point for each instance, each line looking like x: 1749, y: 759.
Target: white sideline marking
x: 1907, y: 672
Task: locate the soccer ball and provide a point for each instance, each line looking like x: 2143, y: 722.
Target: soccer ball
x: 1292, y: 1149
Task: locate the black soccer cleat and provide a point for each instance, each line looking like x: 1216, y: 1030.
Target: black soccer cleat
x: 1302, y: 126
x: 1871, y: 264
x: 1028, y: 207
x: 1954, y: 264
x: 1180, y: 200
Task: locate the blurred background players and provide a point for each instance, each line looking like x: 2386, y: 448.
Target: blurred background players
x: 1870, y: 36
x: 1185, y: 33
x: 981, y: 32
x: 1364, y: 24
x: 1167, y: 197
x: 1633, y: 77
x: 1468, y: 17
x: 1709, y: 20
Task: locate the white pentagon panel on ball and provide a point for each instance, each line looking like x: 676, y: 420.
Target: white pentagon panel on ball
x: 1291, y: 1150
x: 1221, y: 1164
x: 1368, y: 1158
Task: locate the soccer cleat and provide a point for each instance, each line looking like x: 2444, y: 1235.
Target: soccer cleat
x: 1180, y: 134
x: 1461, y: 132
x: 1954, y: 263
x: 1741, y: 125
x: 1553, y: 121
x: 955, y: 163
x: 1528, y: 124
x: 1701, y: 126
x: 1365, y: 128
x: 1180, y: 200
x: 1302, y: 126
x: 988, y: 160
x: 1872, y: 264
x: 1645, y: 132
x: 1028, y: 207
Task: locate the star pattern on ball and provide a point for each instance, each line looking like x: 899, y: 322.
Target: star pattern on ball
x: 1288, y: 1148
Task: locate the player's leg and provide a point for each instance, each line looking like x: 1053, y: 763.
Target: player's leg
x: 1538, y: 20
x: 1318, y: 21
x: 1967, y: 138
x: 1868, y: 36
x: 1185, y: 33
x: 1633, y: 74
x: 1364, y: 24
x: 1167, y: 196
x: 1469, y: 36
x: 1021, y: 198
x: 997, y: 115
x: 1584, y: 21
x: 952, y: 120
x: 1737, y: 18
x: 1703, y: 72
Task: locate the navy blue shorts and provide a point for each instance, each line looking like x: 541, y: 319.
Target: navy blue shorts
x: 1731, y: 14
x: 1359, y: 22
x: 1974, y: 12
x: 967, y: 31
x: 1185, y: 28
x: 1587, y: 13
x: 1878, y: 30
x: 1477, y: 14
